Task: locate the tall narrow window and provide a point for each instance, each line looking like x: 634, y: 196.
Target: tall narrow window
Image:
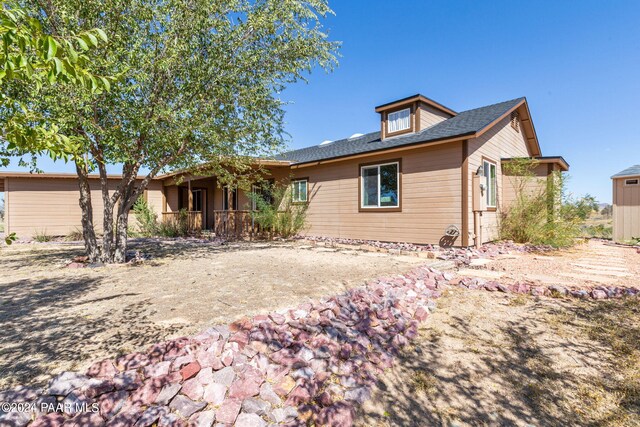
x: 380, y: 186
x: 490, y: 176
x: 197, y: 200
x: 225, y: 199
x: 399, y: 120
x: 299, y: 190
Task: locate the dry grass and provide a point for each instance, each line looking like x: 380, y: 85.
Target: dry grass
x: 612, y: 399
x: 424, y: 382
x: 496, y: 359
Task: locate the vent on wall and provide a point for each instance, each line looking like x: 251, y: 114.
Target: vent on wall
x: 634, y: 181
x: 515, y: 121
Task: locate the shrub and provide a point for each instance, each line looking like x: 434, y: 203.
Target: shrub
x: 146, y: 217
x: 41, y: 236
x: 547, y: 216
x: 276, y: 214
x: 600, y: 231
x: 176, y: 226
x: 74, y: 235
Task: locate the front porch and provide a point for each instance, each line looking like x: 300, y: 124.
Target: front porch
x: 210, y: 206
x: 230, y: 223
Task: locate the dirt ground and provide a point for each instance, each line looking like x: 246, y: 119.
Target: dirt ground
x: 54, y: 318
x: 487, y: 359
x: 590, y: 264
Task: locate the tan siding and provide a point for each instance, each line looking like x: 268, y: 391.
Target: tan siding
x: 50, y: 206
x: 531, y: 186
x: 501, y: 141
x: 626, y: 210
x: 430, y: 197
x: 430, y: 116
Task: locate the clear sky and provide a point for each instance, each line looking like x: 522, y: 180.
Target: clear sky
x: 577, y: 62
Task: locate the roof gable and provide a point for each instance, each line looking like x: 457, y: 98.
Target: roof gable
x: 470, y: 123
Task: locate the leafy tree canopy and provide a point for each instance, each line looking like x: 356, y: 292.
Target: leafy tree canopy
x: 30, y: 59
x: 198, y: 83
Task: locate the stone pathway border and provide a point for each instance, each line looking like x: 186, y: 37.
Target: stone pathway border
x: 311, y: 363
x: 461, y: 256
x: 597, y: 292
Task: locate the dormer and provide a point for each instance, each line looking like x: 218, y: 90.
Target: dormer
x: 410, y: 115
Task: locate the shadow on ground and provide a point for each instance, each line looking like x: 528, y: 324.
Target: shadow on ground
x: 543, y: 367
x: 42, y: 325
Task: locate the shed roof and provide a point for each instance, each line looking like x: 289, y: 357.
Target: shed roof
x: 632, y: 171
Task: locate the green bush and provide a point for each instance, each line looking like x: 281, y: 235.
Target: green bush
x: 146, y: 217
x: 276, y: 214
x: 41, y: 236
x: 600, y: 231
x: 176, y: 226
x: 546, y: 217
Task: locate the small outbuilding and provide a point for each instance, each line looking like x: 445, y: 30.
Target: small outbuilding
x: 626, y: 204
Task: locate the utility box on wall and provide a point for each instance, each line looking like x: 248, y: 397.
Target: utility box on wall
x: 478, y: 194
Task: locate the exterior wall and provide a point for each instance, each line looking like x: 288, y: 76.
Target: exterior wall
x: 533, y: 185
x: 430, y: 197
x: 626, y: 210
x: 501, y: 141
x: 50, y: 205
x: 430, y: 116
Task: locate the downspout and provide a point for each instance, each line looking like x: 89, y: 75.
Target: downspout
x: 465, y: 192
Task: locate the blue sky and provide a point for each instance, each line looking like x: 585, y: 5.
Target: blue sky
x: 578, y: 64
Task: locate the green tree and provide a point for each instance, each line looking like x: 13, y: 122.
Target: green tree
x: 32, y: 58
x: 200, y: 85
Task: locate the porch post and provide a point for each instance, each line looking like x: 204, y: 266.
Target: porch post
x: 190, y: 196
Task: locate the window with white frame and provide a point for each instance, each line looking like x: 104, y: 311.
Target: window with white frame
x: 399, y: 120
x: 299, y: 190
x: 634, y: 181
x: 380, y: 186
x: 490, y: 176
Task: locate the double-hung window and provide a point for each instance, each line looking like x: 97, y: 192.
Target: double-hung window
x: 490, y: 176
x: 399, y: 120
x: 380, y: 186
x: 299, y: 191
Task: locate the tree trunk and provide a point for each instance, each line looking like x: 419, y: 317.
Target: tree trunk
x: 107, y: 237
x: 122, y: 226
x: 88, y: 232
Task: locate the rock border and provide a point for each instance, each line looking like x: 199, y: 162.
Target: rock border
x: 315, y: 363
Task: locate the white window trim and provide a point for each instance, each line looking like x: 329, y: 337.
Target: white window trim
x: 306, y: 193
x: 487, y: 175
x: 626, y: 182
x: 378, y: 166
x: 397, y: 113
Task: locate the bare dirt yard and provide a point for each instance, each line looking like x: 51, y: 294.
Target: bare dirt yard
x: 486, y: 359
x: 54, y: 318
x: 589, y: 264
x: 493, y: 359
